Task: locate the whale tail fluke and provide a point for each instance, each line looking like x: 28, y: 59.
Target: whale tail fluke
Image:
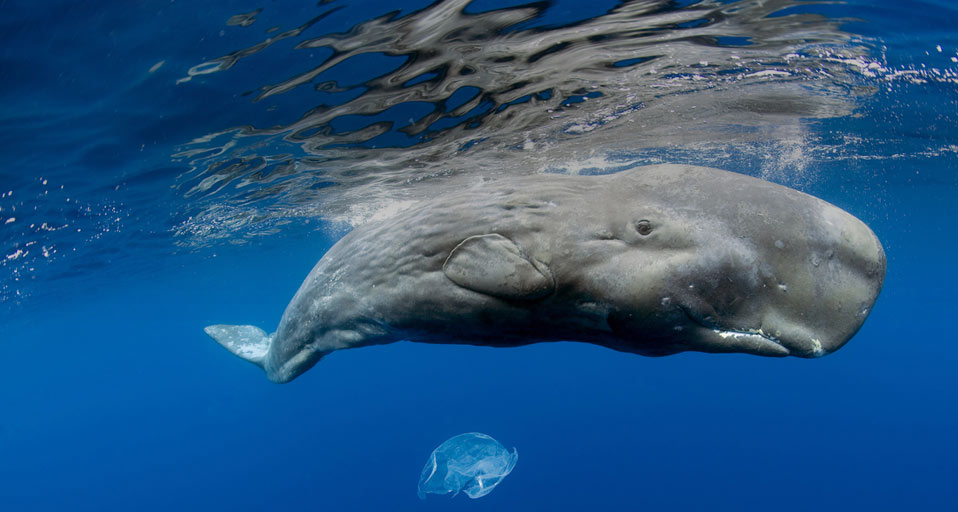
x: 246, y: 341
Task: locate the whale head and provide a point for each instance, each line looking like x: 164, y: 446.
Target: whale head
x: 714, y: 261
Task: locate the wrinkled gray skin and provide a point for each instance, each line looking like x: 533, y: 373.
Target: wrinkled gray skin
x: 653, y: 261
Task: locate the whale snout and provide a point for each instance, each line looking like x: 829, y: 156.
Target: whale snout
x: 850, y: 271
x: 802, y: 285
x: 835, y: 289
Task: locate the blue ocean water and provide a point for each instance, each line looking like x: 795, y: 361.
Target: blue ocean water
x: 170, y: 165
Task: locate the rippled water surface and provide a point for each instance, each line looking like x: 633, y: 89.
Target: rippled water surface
x: 401, y: 105
x: 184, y: 134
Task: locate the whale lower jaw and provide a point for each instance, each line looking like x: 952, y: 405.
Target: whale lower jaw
x: 711, y: 337
x: 754, y: 342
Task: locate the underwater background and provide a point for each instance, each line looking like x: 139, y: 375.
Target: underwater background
x: 168, y: 165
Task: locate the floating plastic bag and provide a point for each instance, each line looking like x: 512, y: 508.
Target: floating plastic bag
x: 473, y: 463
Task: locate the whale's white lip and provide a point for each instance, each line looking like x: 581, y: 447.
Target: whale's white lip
x: 758, y: 336
x: 727, y: 333
x: 753, y: 335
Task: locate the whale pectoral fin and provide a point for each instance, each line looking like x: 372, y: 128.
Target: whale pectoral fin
x: 246, y: 341
x: 495, y: 265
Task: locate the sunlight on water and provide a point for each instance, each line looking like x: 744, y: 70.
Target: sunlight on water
x: 445, y: 95
x: 339, y: 123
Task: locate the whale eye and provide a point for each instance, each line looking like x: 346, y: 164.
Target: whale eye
x: 644, y: 227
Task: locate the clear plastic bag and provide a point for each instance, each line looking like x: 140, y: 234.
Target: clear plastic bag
x: 473, y: 463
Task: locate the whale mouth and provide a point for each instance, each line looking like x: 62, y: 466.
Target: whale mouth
x: 714, y: 338
x: 754, y: 341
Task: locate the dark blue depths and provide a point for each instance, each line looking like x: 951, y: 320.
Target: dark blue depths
x: 112, y: 398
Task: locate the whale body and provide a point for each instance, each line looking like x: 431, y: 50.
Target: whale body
x: 654, y: 261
